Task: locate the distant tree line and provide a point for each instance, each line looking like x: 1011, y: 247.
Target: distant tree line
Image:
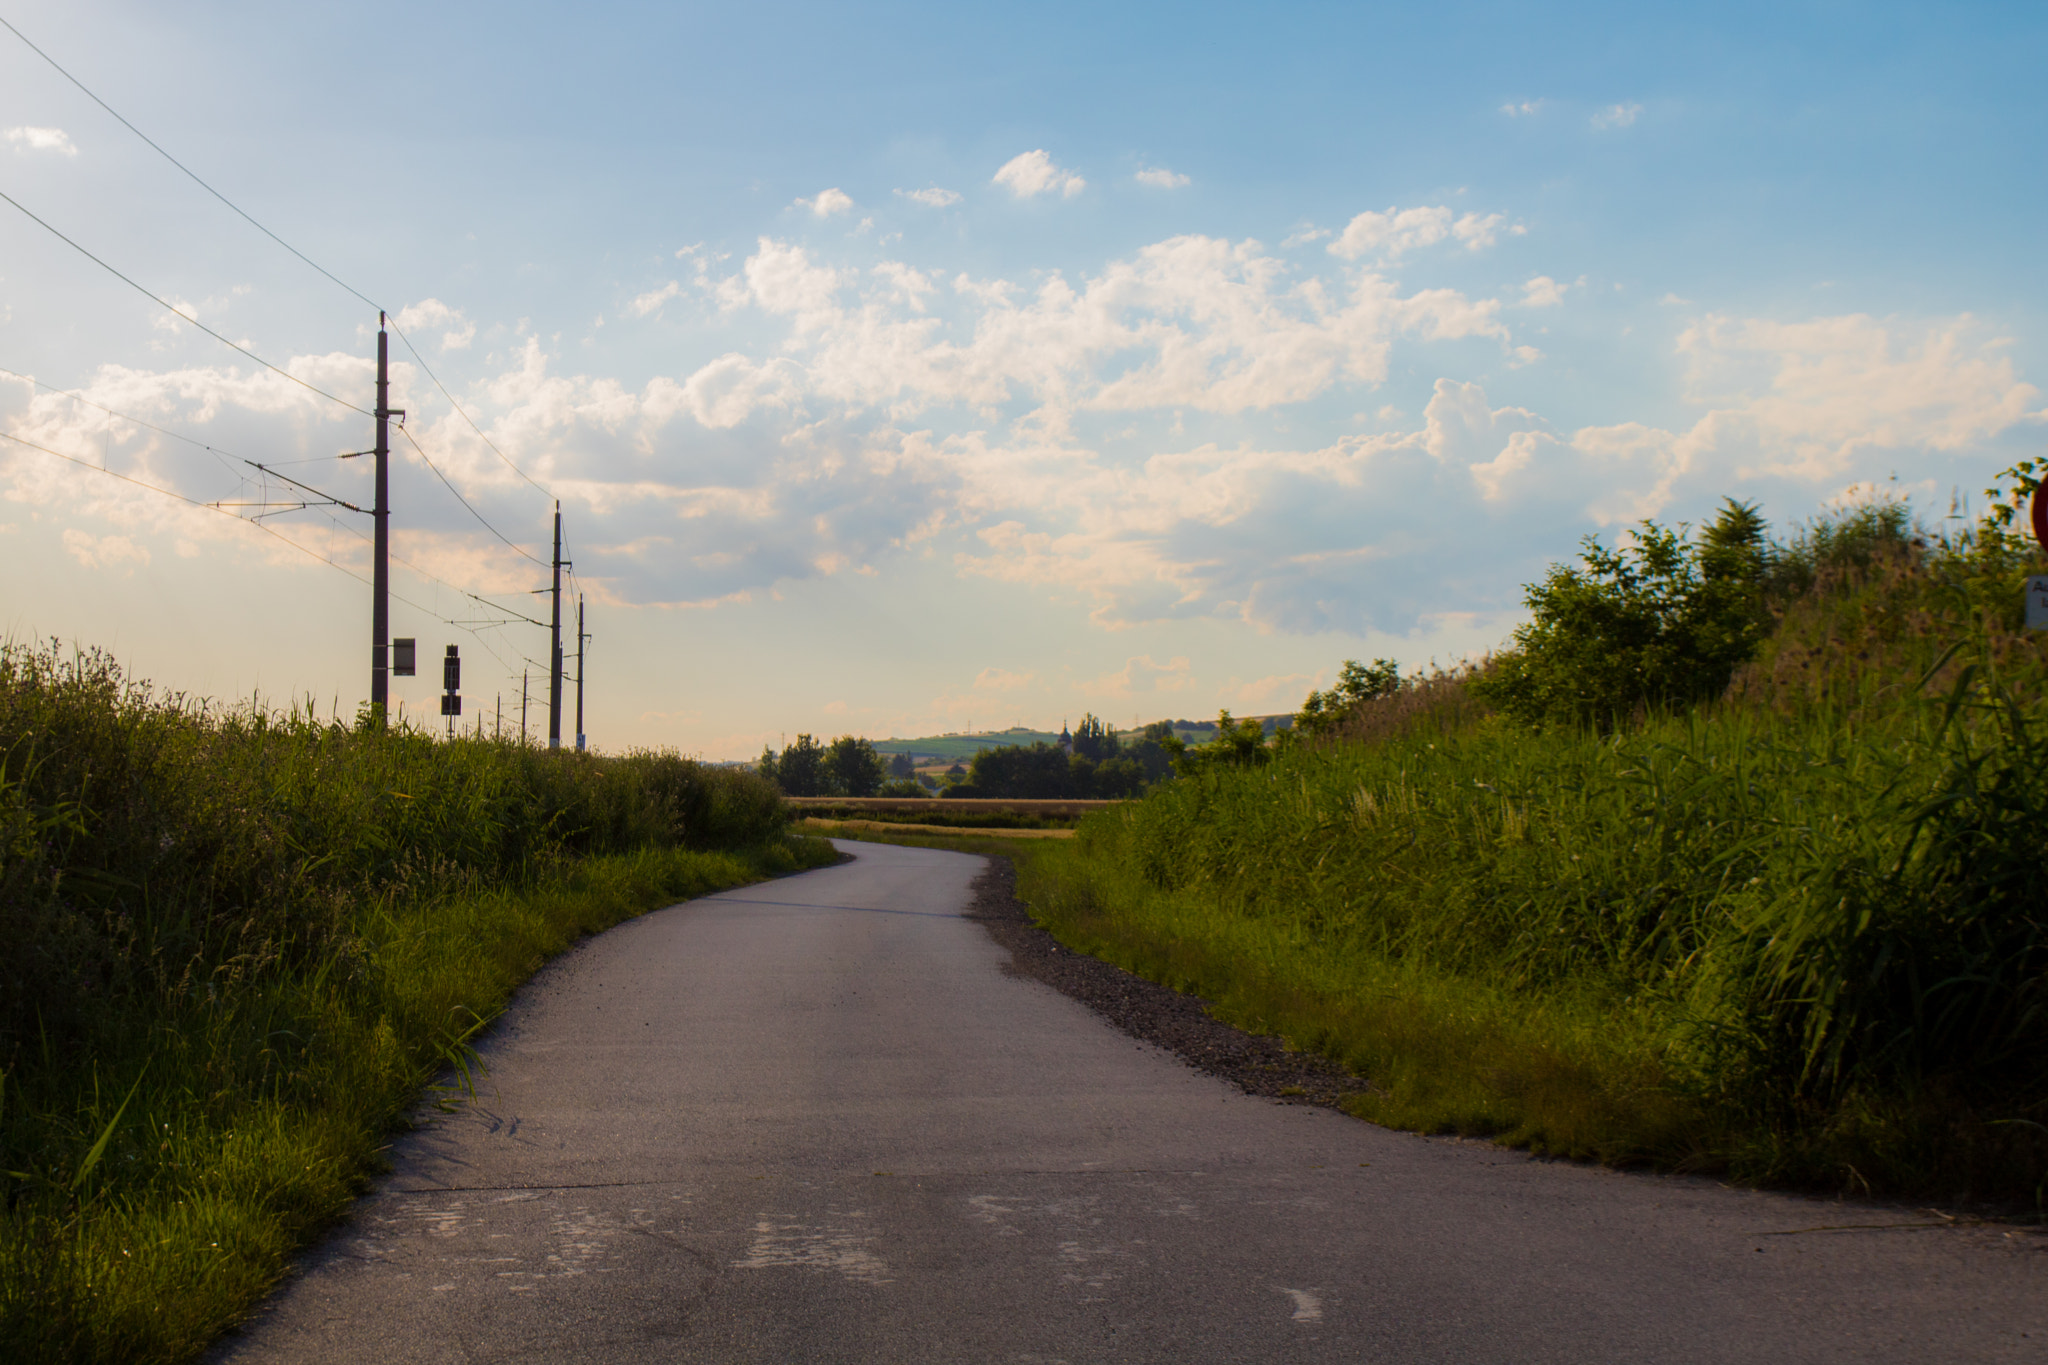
x: 848, y: 766
x: 1100, y: 766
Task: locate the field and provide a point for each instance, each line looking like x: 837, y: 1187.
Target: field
x: 1796, y: 934
x: 234, y: 948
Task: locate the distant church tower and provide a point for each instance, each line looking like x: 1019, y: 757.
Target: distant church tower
x: 1066, y: 740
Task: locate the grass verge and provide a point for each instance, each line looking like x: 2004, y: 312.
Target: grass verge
x: 190, y: 1159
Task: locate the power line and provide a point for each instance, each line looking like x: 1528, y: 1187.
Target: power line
x: 464, y: 501
x: 181, y: 165
x: 222, y: 455
x: 246, y: 217
x: 182, y: 317
x: 459, y: 409
x: 301, y: 548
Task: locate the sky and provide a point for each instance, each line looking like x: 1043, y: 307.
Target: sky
x: 909, y: 368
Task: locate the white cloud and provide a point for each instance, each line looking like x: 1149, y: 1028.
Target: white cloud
x: 1396, y: 232
x: 1522, y: 108
x: 103, y: 552
x: 1033, y: 173
x: 1160, y: 178
x: 1543, y: 292
x: 184, y: 310
x: 458, y: 334
x: 42, y: 140
x: 827, y: 203
x: 653, y: 299
x: 1617, y: 116
x: 931, y: 198
x: 1141, y: 673
x: 1028, y: 430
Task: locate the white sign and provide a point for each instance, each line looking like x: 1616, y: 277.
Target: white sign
x: 2037, y: 602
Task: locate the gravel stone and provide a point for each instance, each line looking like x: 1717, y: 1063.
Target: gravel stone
x: 1150, y: 1012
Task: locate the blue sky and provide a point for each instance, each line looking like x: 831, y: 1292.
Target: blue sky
x: 908, y: 367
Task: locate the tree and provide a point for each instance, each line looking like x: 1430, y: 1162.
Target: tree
x: 800, y: 771
x: 1238, y: 744
x: 1094, y: 740
x: 902, y: 765
x: 1038, y: 771
x: 766, y: 767
x: 1356, y: 685
x: 855, y: 769
x: 1662, y: 622
x: 1151, y: 753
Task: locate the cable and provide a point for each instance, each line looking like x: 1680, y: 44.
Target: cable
x: 208, y: 507
x: 181, y: 165
x: 421, y: 360
x: 182, y: 317
x: 222, y: 455
x: 251, y: 221
x: 464, y: 501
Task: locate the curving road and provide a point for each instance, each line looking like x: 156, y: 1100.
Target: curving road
x: 813, y: 1120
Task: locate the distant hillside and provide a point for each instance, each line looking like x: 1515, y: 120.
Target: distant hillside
x: 965, y: 746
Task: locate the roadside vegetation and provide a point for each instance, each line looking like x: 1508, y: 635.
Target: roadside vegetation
x: 235, y: 946
x: 1731, y: 861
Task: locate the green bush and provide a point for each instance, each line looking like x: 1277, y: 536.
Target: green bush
x: 1662, y: 622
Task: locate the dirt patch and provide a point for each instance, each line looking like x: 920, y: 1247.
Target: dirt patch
x: 1150, y: 1012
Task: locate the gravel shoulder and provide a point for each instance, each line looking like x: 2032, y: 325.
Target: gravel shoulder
x: 1150, y: 1012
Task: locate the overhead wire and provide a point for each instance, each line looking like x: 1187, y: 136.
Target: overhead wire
x: 247, y: 521
x: 177, y: 313
x: 250, y: 219
x: 464, y: 501
x: 333, y: 278
x: 193, y: 175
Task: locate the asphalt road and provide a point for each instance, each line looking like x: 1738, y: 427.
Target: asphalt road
x: 813, y: 1120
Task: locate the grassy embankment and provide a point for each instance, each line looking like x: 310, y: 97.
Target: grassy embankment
x: 234, y: 948
x: 1799, y: 934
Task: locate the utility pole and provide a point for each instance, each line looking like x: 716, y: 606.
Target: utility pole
x: 580, y: 639
x: 555, y: 659
x: 522, y: 705
x: 498, y: 727
x: 380, y: 573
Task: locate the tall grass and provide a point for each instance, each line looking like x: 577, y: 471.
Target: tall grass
x: 1799, y: 934
x: 234, y: 946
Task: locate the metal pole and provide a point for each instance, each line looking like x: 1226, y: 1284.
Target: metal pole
x: 380, y: 572
x: 522, y: 705
x: 580, y: 638
x: 555, y: 659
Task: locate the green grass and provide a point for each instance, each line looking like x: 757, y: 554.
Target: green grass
x: 1799, y: 935
x: 233, y: 948
x: 237, y: 1129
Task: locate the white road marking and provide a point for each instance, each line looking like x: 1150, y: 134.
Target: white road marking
x: 1307, y: 1307
x: 836, y: 1249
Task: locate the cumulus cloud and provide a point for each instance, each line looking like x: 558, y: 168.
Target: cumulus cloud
x: 27, y: 139
x: 653, y: 299
x: 1141, y: 673
x: 827, y: 203
x: 1160, y: 178
x: 932, y: 197
x: 1033, y: 173
x: 458, y: 332
x: 1617, y: 116
x: 1028, y: 430
x: 1396, y: 232
x: 1521, y: 108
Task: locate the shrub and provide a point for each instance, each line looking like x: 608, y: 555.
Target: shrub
x: 1663, y: 621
